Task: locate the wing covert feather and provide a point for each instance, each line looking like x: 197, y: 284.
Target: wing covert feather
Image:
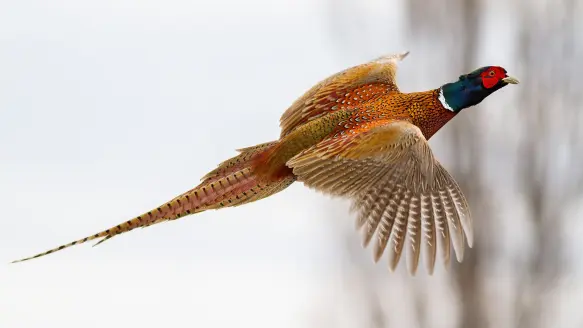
x: 349, y: 88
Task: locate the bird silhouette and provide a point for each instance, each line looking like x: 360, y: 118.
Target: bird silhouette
x: 354, y: 135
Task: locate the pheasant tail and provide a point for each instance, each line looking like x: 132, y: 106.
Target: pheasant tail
x: 233, y: 183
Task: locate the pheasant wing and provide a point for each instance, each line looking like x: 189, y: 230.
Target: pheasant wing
x: 401, y: 192
x: 349, y: 88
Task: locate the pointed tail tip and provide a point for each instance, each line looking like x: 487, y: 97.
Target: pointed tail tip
x: 29, y: 258
x: 20, y: 260
x: 403, y: 54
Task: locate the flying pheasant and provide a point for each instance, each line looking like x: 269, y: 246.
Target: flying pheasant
x: 354, y: 135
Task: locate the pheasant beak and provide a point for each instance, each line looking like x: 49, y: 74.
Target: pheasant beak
x: 510, y: 80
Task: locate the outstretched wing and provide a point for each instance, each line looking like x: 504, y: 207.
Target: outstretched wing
x: 401, y: 192
x: 345, y: 89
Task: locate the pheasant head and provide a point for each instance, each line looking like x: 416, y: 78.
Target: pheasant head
x: 473, y: 87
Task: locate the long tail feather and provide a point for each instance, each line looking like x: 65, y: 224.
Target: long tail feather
x: 230, y: 185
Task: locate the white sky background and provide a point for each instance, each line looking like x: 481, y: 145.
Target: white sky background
x: 108, y: 108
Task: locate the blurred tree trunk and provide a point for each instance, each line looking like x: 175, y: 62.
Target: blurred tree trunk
x: 460, y: 20
x: 550, y: 117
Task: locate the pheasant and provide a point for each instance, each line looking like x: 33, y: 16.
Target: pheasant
x: 354, y: 135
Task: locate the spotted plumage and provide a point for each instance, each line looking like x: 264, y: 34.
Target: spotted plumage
x: 354, y: 135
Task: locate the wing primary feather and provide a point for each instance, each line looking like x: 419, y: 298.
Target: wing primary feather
x: 453, y: 221
x: 414, y: 233
x: 463, y: 210
x: 428, y: 228
x: 385, y: 225
x: 374, y: 217
x: 442, y: 228
x: 399, y: 231
x: 364, y: 206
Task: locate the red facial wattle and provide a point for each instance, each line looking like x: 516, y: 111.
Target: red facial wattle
x: 492, y: 76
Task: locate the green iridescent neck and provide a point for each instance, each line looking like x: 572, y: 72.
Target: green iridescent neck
x: 463, y: 93
x: 453, y: 96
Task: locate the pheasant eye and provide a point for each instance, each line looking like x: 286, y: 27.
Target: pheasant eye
x: 491, y: 73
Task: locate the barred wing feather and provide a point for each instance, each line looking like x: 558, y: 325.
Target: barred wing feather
x: 404, y: 197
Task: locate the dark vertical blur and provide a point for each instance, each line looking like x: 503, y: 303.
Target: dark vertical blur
x: 523, y: 181
x: 550, y: 162
x: 460, y: 21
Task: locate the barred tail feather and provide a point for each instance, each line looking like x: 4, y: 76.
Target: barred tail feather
x: 76, y: 242
x: 232, y: 189
x: 246, y: 156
